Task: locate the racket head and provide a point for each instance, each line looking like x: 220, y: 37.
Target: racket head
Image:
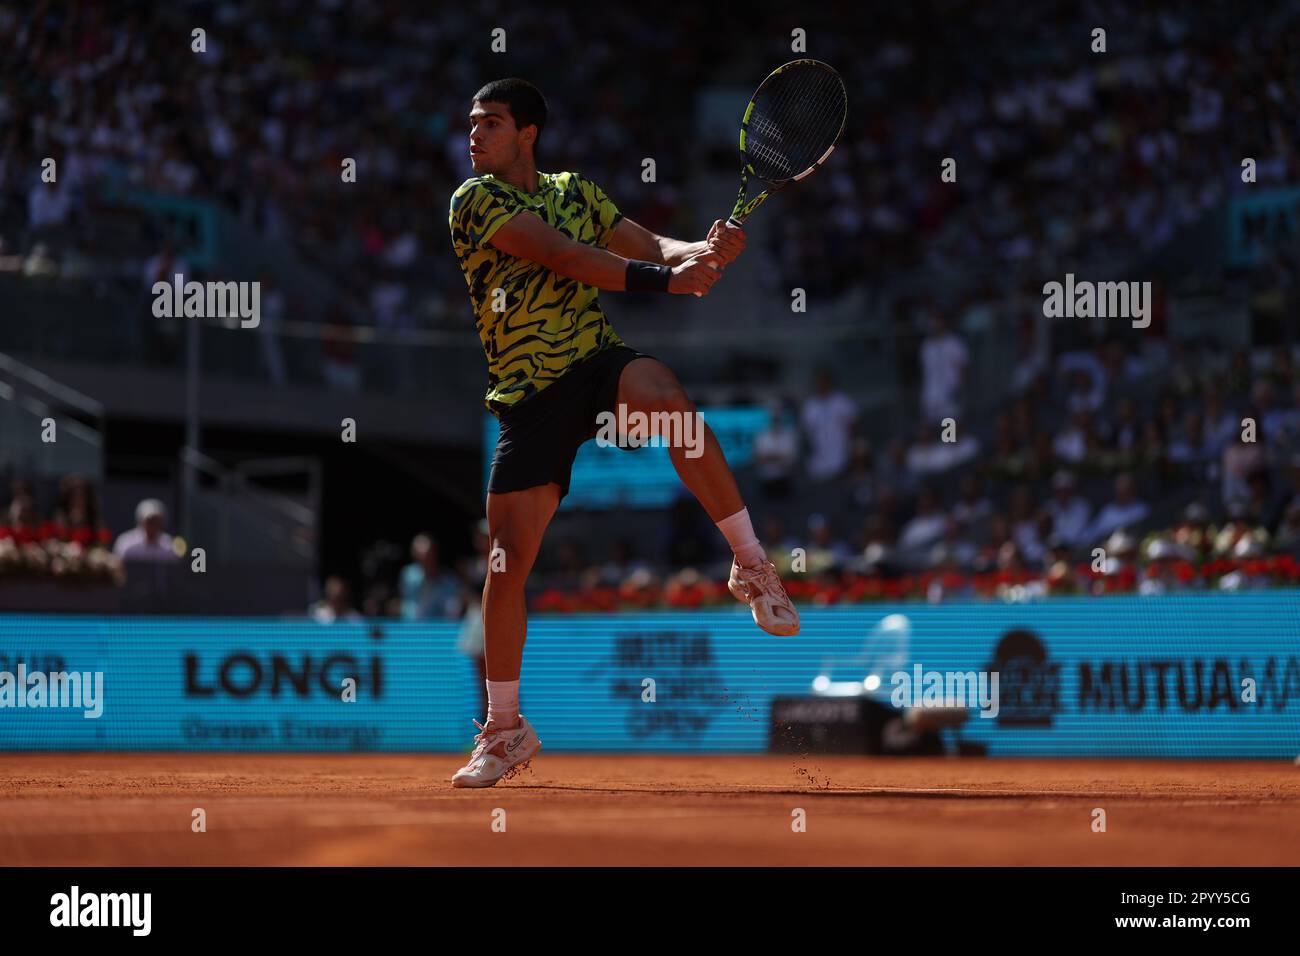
x: 793, y: 122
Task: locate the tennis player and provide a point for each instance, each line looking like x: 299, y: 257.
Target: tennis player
x: 536, y: 248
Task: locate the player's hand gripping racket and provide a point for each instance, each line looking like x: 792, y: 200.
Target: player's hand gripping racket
x: 791, y: 126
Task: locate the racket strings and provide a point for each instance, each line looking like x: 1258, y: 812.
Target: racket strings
x: 795, y: 120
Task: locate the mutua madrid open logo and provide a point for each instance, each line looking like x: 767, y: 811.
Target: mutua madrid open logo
x: 667, y: 680
x: 1030, y: 690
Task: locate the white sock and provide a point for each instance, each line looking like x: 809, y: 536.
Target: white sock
x: 739, y: 532
x: 503, y: 702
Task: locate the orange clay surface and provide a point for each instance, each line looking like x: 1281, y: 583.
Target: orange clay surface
x: 398, y: 809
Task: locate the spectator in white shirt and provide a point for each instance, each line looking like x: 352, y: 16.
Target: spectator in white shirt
x: 1221, y: 426
x: 1191, y: 447
x: 827, y: 418
x: 927, y: 526
x: 971, y: 504
x: 776, y: 452
x: 825, y: 553
x: 48, y: 204
x: 928, y: 456
x: 943, y: 369
x: 1125, y: 510
x: 1071, y: 442
x: 1025, y: 530
x: 146, y: 541
x: 428, y: 592
x: 1239, y: 461
x: 1069, y: 511
x: 1034, y: 359
x: 954, y: 548
x: 1085, y: 393
x: 1267, y: 413
x: 1287, y: 433
x: 336, y: 605
x: 1086, y: 377
x: 272, y: 316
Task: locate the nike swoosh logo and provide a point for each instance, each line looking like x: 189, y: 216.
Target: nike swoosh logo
x: 510, y: 747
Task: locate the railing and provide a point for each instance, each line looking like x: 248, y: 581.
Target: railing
x: 27, y: 398
x: 113, y: 325
x: 223, y: 509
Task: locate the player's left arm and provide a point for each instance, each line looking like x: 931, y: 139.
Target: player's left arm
x: 631, y: 240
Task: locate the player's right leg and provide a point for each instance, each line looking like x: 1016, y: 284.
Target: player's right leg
x: 517, y: 521
x: 647, y: 385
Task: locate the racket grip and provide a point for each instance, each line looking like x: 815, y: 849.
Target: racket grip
x: 731, y: 221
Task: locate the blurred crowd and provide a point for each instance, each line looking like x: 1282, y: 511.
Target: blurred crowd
x: 1135, y: 446
x: 69, y: 543
x: 1063, y: 154
x: 1130, y: 465
x: 415, y: 584
x: 1121, y: 469
x: 261, y: 121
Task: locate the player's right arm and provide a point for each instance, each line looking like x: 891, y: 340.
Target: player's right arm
x: 528, y: 237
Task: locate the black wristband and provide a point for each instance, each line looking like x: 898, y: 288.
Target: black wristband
x: 645, y: 276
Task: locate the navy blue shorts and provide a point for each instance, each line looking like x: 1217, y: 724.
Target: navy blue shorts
x: 540, y: 436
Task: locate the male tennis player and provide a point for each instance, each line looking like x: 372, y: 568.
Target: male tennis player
x: 535, y: 249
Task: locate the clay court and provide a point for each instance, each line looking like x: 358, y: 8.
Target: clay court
x: 370, y: 809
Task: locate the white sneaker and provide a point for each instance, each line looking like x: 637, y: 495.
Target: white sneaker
x: 762, y: 590
x: 498, y: 754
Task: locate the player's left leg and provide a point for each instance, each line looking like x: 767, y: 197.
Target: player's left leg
x: 647, y: 385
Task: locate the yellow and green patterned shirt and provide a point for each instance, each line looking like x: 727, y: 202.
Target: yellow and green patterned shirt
x: 546, y: 322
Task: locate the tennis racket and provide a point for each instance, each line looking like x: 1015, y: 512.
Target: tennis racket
x: 791, y: 126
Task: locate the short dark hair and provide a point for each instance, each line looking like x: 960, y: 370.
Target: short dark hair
x: 527, y: 106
